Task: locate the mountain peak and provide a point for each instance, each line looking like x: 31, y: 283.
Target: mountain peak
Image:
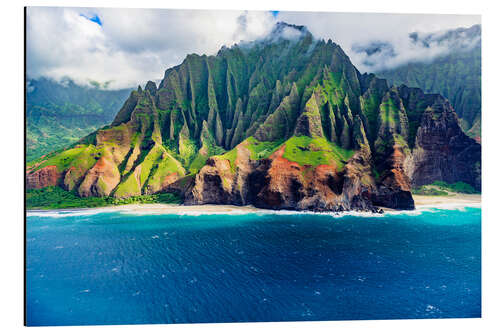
x: 283, y: 30
x: 280, y: 26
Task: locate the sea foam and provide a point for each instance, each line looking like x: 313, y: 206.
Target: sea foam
x: 68, y: 213
x: 249, y: 211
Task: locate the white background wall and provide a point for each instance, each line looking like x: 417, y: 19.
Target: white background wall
x: 12, y: 168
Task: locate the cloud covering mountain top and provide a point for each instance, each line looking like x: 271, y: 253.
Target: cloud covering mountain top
x: 125, y: 47
x: 418, y: 47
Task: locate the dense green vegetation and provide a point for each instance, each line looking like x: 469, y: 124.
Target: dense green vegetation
x: 231, y: 157
x: 198, y: 163
x: 442, y: 188
x: 426, y: 190
x: 58, y: 114
x: 261, y: 149
x: 387, y: 113
x: 459, y: 187
x: 54, y: 197
x: 77, y: 155
x: 315, y: 151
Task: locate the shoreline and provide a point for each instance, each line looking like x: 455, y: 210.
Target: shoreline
x: 452, y: 201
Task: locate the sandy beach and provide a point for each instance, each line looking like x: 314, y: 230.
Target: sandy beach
x: 154, y: 208
x: 181, y: 209
x: 451, y: 201
x: 421, y: 201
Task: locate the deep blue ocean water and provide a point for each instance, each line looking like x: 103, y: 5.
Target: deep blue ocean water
x: 120, y: 268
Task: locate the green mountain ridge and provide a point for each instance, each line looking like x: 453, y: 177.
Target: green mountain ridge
x: 456, y: 75
x: 217, y: 127
x: 60, y: 113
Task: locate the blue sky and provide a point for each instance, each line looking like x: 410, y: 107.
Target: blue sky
x: 94, y: 19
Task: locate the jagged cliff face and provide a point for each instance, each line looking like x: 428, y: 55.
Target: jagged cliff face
x: 277, y: 123
x: 442, y: 151
x: 278, y: 183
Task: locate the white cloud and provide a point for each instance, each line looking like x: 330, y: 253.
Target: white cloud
x: 351, y: 29
x: 135, y: 45
x: 132, y: 45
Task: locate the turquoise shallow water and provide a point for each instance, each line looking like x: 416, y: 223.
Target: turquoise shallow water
x: 89, y: 268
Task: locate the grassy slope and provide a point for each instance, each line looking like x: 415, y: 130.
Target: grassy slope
x: 258, y: 150
x: 302, y: 150
x: 261, y: 149
x: 315, y: 151
x: 80, y: 154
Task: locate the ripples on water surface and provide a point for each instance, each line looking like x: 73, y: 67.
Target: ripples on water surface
x: 116, y: 268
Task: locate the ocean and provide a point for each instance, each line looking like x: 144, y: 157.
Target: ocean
x: 110, y: 267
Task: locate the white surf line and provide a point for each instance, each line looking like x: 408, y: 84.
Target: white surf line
x: 226, y: 210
